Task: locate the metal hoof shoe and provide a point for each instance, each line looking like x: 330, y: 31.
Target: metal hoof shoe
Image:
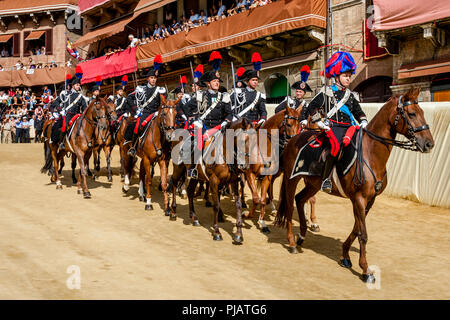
x: 293, y: 250
x: 208, y: 204
x: 346, y: 263
x: 368, y: 278
x: 87, y: 195
x: 265, y: 230
x: 217, y: 237
x: 167, y: 213
x: 238, y: 239
x: 196, y: 223
x: 148, y: 207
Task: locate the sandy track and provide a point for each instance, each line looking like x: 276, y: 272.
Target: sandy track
x: 124, y: 252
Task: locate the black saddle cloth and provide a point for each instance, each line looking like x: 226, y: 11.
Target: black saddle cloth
x: 310, y: 158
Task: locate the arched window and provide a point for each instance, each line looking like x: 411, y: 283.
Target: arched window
x: 276, y: 86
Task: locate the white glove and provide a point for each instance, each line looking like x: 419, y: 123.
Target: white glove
x: 63, y: 113
x: 304, y: 123
x: 321, y: 125
x: 184, y: 117
x: 197, y: 124
x: 223, y: 124
x: 261, y: 121
x: 363, y: 123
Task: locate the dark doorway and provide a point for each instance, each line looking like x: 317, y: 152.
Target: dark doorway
x: 376, y: 89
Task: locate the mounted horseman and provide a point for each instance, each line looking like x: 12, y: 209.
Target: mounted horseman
x: 341, y: 107
x: 147, y: 98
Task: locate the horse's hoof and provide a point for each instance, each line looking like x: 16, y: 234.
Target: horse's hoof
x: 148, y: 207
x: 59, y: 187
x: 124, y: 190
x: 220, y: 218
x: 74, y: 181
x: 346, y: 263
x: 244, y: 205
x: 195, y: 223
x: 87, y: 195
x: 217, y: 237
x: 208, y: 204
x: 173, y: 217
x: 94, y: 178
x: 368, y: 278
x: 314, y: 228
x: 109, y: 179
x: 79, y: 191
x: 167, y: 212
x: 89, y: 173
x: 142, y: 198
x: 238, y: 239
x: 293, y: 250
x: 265, y: 230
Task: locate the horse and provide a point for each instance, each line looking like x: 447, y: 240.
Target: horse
x: 48, y: 162
x: 219, y: 175
x: 366, y: 178
x: 287, y: 122
x: 104, y: 140
x: 155, y: 146
x: 78, y: 141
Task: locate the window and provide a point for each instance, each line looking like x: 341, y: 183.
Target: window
x: 38, y: 42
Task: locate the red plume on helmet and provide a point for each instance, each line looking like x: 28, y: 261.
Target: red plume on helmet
x: 98, y: 80
x: 78, y: 72
x: 215, y: 59
x: 124, y: 80
x: 157, y: 62
x: 183, y: 81
x: 304, y: 73
x: 257, y: 61
x: 240, y: 71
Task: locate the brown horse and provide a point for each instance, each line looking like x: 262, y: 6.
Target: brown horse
x: 79, y: 141
x: 104, y: 140
x: 287, y: 123
x: 48, y: 161
x: 155, y: 148
x: 367, y: 176
x: 219, y: 175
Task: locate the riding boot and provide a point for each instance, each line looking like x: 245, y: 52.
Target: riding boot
x: 132, y: 151
x: 62, y: 137
x: 326, y: 181
x: 192, y: 170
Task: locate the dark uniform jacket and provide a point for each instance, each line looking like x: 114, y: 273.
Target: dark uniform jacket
x: 79, y: 106
x: 144, y: 93
x: 58, y: 104
x: 293, y: 103
x: 340, y: 117
x: 119, y: 102
x: 202, y: 101
x: 246, y: 97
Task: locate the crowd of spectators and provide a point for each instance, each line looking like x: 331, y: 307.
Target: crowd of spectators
x: 21, y: 111
x: 30, y: 64
x: 171, y: 26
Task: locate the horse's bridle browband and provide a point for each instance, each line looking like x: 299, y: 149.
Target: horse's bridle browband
x: 412, y: 143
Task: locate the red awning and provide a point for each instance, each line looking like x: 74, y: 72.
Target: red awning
x: 424, y: 68
x: 397, y: 14
x: 34, y: 35
x: 5, y: 37
x: 114, y: 65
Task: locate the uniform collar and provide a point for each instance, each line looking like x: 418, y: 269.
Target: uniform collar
x: 211, y: 91
x: 250, y: 89
x: 150, y: 86
x: 337, y: 87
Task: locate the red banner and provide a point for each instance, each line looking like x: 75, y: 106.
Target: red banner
x: 370, y: 44
x: 114, y: 65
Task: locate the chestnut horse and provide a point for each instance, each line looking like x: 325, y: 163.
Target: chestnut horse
x: 219, y: 175
x: 155, y: 148
x: 79, y: 142
x: 367, y: 176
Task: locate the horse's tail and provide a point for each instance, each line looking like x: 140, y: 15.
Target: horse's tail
x: 280, y: 219
x: 48, y: 163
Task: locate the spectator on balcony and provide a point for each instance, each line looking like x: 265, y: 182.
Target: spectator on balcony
x: 147, y: 33
x: 203, y: 17
x: 31, y: 64
x: 4, y: 52
x: 133, y: 41
x: 222, y: 8
x: 194, y: 16
x: 18, y: 65
x: 43, y: 51
x: 157, y: 31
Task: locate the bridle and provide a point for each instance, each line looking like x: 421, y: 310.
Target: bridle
x: 162, y: 126
x: 411, y: 144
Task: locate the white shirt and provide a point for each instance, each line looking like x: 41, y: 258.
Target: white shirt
x: 134, y: 42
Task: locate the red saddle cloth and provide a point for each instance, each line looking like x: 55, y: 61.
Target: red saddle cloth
x: 70, y: 122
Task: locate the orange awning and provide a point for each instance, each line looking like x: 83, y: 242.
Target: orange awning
x: 424, y: 69
x: 34, y: 35
x: 5, y: 37
x: 110, y: 30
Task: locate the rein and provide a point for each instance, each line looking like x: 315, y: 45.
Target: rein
x: 411, y: 144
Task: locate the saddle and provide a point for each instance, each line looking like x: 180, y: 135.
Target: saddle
x: 311, y: 157
x: 74, y: 118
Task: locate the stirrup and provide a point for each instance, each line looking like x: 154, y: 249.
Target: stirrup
x: 132, y: 152
x: 192, y: 173
x: 326, y: 185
